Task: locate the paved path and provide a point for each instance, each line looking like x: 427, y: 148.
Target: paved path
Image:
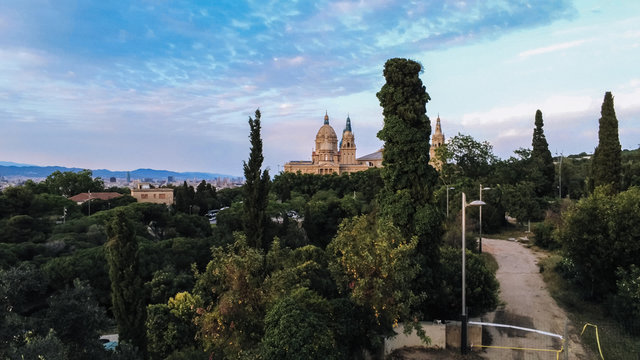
x: 526, y: 303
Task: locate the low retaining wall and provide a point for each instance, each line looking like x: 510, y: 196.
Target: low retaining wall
x: 436, y: 332
x: 442, y: 336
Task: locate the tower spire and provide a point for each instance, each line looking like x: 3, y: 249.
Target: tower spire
x: 326, y: 118
x: 347, y: 127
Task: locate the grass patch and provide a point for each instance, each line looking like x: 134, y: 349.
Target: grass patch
x: 616, y: 343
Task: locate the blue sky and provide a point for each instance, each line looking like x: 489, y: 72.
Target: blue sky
x: 171, y: 84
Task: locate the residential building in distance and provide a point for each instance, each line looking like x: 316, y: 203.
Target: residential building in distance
x: 144, y: 193
x: 331, y: 157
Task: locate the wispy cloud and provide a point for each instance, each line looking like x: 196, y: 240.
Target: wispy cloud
x: 148, y: 74
x: 552, y: 48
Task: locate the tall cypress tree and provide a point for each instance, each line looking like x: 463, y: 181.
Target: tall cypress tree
x: 542, y: 160
x: 127, y: 290
x: 607, y: 164
x: 256, y: 189
x: 408, y: 178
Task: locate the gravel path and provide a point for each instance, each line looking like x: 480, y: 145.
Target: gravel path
x: 525, y: 303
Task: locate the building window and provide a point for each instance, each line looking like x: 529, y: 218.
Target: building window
x: 144, y: 196
x: 162, y: 196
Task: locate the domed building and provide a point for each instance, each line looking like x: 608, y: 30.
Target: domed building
x: 331, y: 157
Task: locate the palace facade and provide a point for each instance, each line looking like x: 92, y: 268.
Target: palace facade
x: 333, y: 157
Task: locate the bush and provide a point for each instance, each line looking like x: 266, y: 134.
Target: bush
x: 543, y: 233
x: 627, y: 300
x: 482, y: 286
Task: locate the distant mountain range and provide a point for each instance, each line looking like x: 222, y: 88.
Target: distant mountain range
x: 30, y: 171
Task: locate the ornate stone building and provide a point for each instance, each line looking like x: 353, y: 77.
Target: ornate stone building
x: 437, y: 140
x: 331, y: 157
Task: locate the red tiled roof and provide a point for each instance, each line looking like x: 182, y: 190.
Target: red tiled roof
x: 82, y: 197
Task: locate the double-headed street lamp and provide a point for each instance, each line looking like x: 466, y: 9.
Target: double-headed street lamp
x: 464, y: 318
x: 480, y: 243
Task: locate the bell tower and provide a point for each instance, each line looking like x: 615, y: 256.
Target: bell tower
x: 348, y: 145
x: 437, y: 140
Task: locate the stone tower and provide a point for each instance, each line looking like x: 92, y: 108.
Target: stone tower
x: 348, y: 145
x: 437, y: 140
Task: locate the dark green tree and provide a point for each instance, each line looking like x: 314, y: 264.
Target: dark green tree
x: 184, y: 198
x: 256, y: 189
x: 408, y: 178
x: 298, y: 326
x: 127, y: 290
x: 607, y: 166
x: 541, y: 160
x: 205, y: 197
x: 71, y: 183
x: 77, y: 319
x: 464, y: 156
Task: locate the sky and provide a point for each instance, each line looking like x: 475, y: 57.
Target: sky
x: 123, y: 85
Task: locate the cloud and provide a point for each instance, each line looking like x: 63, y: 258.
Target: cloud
x: 552, y: 48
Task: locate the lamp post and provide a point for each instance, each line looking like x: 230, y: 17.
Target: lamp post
x: 448, y: 188
x: 464, y: 317
x: 480, y: 243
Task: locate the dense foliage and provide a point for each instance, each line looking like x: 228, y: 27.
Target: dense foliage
x: 409, y: 181
x: 606, y: 158
x: 600, y: 235
x: 127, y: 291
x: 541, y: 160
x: 256, y: 189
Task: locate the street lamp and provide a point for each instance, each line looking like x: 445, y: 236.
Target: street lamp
x: 480, y: 243
x: 464, y: 318
x: 448, y: 188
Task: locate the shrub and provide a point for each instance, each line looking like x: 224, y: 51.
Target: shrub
x: 543, y: 233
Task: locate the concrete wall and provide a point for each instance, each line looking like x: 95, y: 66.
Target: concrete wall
x: 436, y: 332
x: 474, y: 334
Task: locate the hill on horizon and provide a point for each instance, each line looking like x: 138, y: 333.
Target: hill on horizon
x: 8, y: 168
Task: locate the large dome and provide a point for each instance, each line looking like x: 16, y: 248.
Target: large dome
x: 326, y: 139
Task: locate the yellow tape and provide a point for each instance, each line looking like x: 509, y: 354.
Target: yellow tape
x: 597, y: 337
x: 517, y: 348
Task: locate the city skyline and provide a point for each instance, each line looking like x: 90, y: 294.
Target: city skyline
x: 171, y: 85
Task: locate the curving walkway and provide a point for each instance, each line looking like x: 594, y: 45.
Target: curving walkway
x: 525, y: 303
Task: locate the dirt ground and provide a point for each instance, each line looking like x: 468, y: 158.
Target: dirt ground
x: 525, y: 303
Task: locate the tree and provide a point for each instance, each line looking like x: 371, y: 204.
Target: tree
x: 184, y: 196
x: 464, y: 156
x: 70, y: 183
x: 372, y: 263
x: 256, y: 189
x: 205, y: 197
x: 77, y: 320
x: 542, y: 160
x: 520, y: 201
x: 231, y: 288
x: 607, y: 166
x: 127, y: 290
x: 170, y: 326
x: 298, y: 326
x: 409, y: 180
